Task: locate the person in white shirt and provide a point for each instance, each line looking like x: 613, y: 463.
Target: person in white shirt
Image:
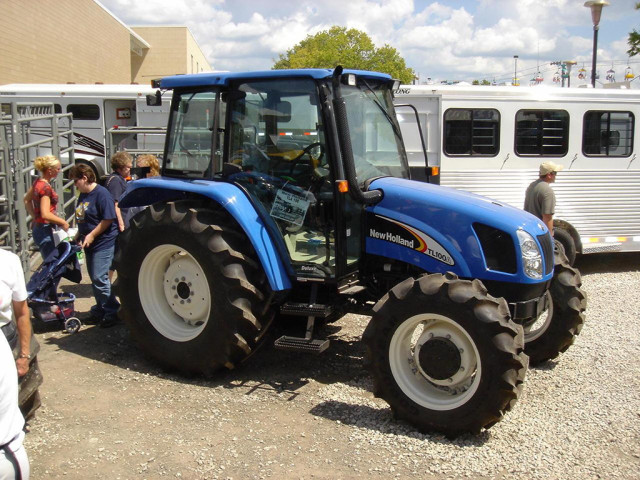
x: 14, y: 463
x: 13, y: 302
x: 15, y: 322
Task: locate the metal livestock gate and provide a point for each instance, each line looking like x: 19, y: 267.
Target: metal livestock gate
x: 19, y: 147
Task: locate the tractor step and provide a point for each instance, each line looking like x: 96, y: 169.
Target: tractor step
x: 306, y: 309
x: 301, y: 344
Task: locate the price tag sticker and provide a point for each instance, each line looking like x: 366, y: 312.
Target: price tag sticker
x: 290, y: 207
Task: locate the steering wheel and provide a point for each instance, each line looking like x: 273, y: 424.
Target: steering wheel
x: 307, y: 151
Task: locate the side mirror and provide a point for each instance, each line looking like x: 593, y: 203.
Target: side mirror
x: 154, y: 100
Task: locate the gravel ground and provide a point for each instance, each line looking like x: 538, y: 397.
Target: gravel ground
x: 110, y: 413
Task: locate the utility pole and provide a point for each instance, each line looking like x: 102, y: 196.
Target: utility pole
x: 566, y: 70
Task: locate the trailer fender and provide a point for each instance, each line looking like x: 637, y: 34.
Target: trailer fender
x: 153, y: 190
x: 571, y: 230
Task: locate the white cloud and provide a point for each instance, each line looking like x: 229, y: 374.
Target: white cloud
x: 471, y: 39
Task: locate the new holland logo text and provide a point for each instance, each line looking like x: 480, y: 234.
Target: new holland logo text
x: 390, y: 237
x: 393, y: 231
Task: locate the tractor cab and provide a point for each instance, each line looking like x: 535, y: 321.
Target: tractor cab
x: 275, y: 138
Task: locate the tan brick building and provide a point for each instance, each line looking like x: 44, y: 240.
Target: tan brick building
x: 172, y: 50
x: 80, y: 41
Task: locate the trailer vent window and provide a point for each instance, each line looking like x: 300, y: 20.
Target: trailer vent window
x: 543, y: 133
x: 471, y: 132
x: 84, y: 111
x: 607, y: 134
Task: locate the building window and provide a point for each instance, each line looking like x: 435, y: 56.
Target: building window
x: 607, y: 134
x: 471, y: 132
x: 542, y: 133
x: 84, y: 112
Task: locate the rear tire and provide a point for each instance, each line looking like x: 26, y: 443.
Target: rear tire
x: 445, y: 354
x: 193, y: 294
x: 554, y: 331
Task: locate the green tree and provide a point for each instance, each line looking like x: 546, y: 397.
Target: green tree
x: 349, y: 48
x: 634, y: 39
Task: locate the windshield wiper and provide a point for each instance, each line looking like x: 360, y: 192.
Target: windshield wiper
x: 378, y: 103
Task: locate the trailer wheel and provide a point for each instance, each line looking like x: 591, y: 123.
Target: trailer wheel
x: 193, y: 294
x: 554, y: 331
x: 445, y: 354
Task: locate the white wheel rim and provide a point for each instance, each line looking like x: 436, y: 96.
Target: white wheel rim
x: 414, y: 382
x: 541, y: 324
x: 174, y: 293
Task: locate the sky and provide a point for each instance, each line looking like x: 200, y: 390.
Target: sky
x: 447, y: 40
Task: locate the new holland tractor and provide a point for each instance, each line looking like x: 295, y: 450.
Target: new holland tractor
x: 288, y: 192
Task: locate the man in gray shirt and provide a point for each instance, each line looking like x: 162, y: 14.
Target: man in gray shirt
x: 539, y: 199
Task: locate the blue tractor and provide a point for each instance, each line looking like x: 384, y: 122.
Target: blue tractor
x: 288, y: 192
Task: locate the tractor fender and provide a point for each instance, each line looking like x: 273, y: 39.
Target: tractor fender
x: 148, y: 191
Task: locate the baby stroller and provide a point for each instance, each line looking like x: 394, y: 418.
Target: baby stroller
x: 42, y: 296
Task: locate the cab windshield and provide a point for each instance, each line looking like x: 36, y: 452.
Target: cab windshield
x: 375, y: 135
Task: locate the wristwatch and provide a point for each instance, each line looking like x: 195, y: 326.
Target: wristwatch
x: 25, y: 355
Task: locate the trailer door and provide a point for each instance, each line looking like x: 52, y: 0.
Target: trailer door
x: 121, y: 113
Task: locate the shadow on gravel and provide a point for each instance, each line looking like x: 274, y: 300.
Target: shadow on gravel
x: 267, y: 370
x: 381, y: 420
x: 547, y: 366
x: 608, y: 262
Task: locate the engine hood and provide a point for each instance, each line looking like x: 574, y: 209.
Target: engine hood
x: 442, y: 218
x: 438, y: 201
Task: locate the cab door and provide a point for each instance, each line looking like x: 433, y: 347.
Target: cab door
x: 277, y: 140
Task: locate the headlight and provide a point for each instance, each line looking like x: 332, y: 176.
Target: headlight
x: 531, y: 257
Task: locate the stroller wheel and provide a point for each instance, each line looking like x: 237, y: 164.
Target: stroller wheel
x: 72, y: 325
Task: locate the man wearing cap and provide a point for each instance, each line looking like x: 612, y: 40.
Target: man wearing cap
x: 539, y: 198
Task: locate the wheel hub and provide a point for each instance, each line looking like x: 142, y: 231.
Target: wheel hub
x: 185, y: 289
x: 439, y: 358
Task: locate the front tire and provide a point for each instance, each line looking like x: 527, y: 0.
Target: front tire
x: 565, y: 239
x: 193, y: 294
x: 445, y: 355
x: 554, y: 331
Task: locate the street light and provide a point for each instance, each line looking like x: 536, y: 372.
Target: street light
x: 596, y: 12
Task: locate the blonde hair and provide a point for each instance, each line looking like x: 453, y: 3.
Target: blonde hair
x: 150, y: 161
x: 44, y: 162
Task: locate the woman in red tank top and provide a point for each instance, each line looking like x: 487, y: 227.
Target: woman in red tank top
x: 42, y: 201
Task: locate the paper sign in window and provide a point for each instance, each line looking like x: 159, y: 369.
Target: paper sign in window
x: 289, y: 207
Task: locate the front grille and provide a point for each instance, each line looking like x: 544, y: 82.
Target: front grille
x: 547, y: 251
x: 498, y: 248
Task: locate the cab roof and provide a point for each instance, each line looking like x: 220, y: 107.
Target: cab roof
x: 223, y: 78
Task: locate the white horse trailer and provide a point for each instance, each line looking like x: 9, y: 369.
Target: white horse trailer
x: 491, y: 141
x: 98, y: 109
